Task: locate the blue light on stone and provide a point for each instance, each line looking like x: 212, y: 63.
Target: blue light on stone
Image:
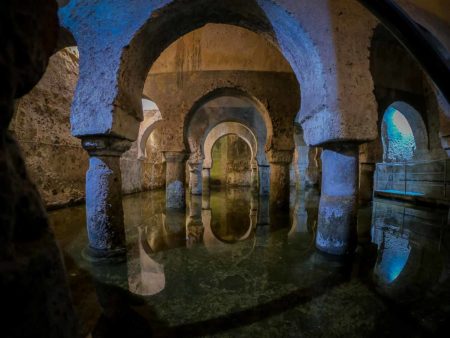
x: 395, y: 255
x: 400, y: 144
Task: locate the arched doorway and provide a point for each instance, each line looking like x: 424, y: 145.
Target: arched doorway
x: 403, y: 134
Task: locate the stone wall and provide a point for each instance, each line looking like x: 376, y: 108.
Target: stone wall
x: 55, y: 159
x: 399, y: 78
x: 231, y: 162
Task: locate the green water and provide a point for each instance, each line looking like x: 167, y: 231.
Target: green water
x: 227, y: 267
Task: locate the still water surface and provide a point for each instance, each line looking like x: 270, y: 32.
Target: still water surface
x: 227, y: 267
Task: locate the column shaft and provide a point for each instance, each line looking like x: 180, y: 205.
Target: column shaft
x: 206, y: 175
x: 336, y: 233
x: 175, y: 179
x: 280, y: 179
x: 195, y: 178
x: 264, y: 180
x: 104, y: 209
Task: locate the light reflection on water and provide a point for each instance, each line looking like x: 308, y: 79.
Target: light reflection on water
x: 227, y: 254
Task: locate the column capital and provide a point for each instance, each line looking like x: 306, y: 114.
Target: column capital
x: 195, y: 166
x: 175, y: 156
x: 280, y: 156
x: 105, y: 145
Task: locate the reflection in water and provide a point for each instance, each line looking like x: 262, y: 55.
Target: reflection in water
x: 411, y: 253
x: 149, y: 278
x: 228, y: 267
x: 395, y: 253
x: 305, y: 212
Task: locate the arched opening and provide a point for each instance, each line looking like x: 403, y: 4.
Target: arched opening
x: 227, y: 105
x: 231, y: 162
x: 152, y: 118
x: 403, y: 134
x: 399, y: 144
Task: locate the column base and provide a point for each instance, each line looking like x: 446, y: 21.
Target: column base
x: 97, y: 256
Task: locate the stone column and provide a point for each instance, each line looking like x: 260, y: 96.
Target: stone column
x: 308, y: 166
x: 264, y: 180
x: 369, y: 154
x: 263, y: 221
x: 253, y: 211
x: 366, y: 182
x: 175, y: 179
x: 279, y: 178
x: 336, y: 232
x: 195, y: 178
x: 254, y: 177
x: 194, y: 225
x: 104, y: 210
x: 206, y: 175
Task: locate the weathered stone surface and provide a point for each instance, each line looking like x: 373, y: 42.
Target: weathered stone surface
x: 336, y: 231
x: 280, y: 178
x: 266, y: 102
x: 104, y: 210
x: 231, y: 162
x: 279, y: 186
x: 55, y: 159
x: 175, y: 179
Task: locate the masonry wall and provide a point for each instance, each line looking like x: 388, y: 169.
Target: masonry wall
x: 231, y: 162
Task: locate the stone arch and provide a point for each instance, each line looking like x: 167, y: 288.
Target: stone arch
x: 230, y: 128
x: 152, y: 119
x: 418, y: 127
x: 259, y: 122
x: 130, y: 64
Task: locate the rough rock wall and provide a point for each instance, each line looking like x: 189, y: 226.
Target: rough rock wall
x: 33, y: 285
x: 231, y: 162
x: 55, y: 159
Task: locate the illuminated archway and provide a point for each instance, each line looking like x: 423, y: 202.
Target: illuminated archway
x: 404, y: 134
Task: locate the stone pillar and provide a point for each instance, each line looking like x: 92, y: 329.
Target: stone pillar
x: 253, y: 211
x: 308, y: 166
x: 104, y: 210
x: 280, y: 178
x: 369, y: 154
x: 336, y: 232
x: 175, y: 179
x: 254, y: 177
x: 366, y: 182
x: 194, y: 225
x: 206, y: 175
x: 195, y: 178
x: 263, y: 222
x: 264, y: 180
x: 206, y: 201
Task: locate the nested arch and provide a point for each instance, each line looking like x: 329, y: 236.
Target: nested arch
x: 229, y: 128
x: 146, y: 43
x: 226, y: 105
